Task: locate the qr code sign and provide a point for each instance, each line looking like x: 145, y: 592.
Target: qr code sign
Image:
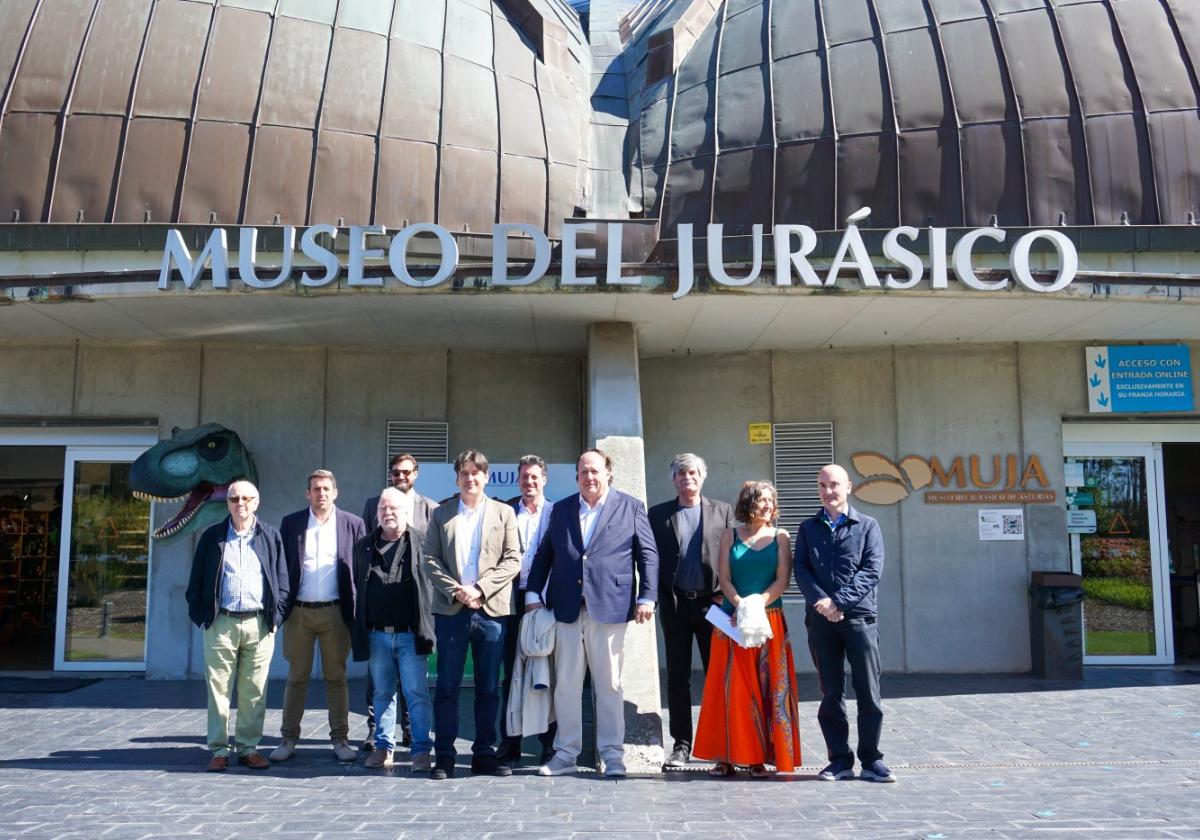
x: 1012, y: 524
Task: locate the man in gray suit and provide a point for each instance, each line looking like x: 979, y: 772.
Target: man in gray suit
x: 402, y: 473
x: 472, y: 556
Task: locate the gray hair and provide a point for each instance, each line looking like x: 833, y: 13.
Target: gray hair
x: 689, y: 461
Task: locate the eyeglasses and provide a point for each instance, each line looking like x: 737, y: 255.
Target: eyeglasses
x: 233, y: 500
x: 402, y: 472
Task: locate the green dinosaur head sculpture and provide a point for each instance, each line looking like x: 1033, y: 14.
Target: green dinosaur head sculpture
x: 197, y: 466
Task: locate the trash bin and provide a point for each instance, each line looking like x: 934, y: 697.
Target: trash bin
x: 1056, y: 625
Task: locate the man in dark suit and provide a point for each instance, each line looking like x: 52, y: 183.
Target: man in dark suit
x: 687, y: 532
x: 586, y: 563
x: 318, y: 543
x: 403, y: 470
x: 237, y: 593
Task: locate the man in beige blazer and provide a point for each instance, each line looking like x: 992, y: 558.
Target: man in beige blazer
x: 472, y: 556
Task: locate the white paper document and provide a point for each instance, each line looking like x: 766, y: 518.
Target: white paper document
x: 717, y: 618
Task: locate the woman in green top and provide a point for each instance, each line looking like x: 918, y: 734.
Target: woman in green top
x: 748, y: 716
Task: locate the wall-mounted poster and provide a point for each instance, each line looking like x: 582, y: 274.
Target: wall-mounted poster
x: 1001, y: 524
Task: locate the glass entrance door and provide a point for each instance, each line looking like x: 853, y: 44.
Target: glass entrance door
x: 1116, y: 524
x: 104, y: 564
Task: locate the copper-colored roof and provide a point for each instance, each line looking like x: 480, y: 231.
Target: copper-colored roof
x: 291, y: 112
x: 946, y: 112
x: 466, y: 112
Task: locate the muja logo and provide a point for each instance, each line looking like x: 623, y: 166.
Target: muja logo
x: 1009, y: 478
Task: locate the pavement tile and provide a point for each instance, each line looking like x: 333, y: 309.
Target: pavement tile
x: 978, y: 756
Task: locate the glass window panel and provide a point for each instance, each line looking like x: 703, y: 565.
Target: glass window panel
x: 1118, y: 612
x: 107, y: 566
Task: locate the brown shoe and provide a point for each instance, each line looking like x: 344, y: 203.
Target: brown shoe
x: 379, y: 759
x: 254, y: 761
x: 217, y: 764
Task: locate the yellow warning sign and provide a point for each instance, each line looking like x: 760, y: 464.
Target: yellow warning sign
x: 760, y: 432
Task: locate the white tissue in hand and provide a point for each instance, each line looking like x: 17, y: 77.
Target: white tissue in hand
x: 752, y: 621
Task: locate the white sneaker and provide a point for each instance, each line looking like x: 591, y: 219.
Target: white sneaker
x: 284, y: 751
x: 614, y: 769
x: 558, y: 766
x: 343, y: 751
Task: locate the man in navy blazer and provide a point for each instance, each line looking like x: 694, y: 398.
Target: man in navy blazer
x: 599, y: 568
x: 318, y: 544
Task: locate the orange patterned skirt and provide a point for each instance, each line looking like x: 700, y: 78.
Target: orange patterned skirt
x: 749, y: 712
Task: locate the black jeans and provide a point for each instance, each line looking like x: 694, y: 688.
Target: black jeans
x: 510, y: 745
x: 832, y: 644
x: 682, y: 621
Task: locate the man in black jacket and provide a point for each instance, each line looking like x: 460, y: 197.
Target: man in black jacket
x: 403, y: 471
x: 238, y: 594
x: 393, y: 629
x: 687, y: 532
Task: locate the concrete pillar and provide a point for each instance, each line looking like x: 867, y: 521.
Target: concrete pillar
x: 615, y: 425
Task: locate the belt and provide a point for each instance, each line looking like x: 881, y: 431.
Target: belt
x: 390, y: 628
x: 239, y: 613
x: 693, y: 594
x: 312, y: 605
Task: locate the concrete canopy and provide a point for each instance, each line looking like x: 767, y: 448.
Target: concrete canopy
x: 557, y: 322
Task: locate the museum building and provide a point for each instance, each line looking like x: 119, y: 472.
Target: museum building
x: 951, y: 244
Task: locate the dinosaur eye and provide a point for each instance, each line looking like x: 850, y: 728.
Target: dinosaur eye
x: 213, y: 448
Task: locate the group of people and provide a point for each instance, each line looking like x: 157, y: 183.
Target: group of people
x: 522, y: 584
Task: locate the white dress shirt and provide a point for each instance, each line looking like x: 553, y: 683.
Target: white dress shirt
x: 589, y: 516
x: 530, y: 529
x: 468, y: 533
x: 318, y: 572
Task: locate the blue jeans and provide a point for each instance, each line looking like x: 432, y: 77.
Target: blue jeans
x: 485, y: 637
x: 392, y: 656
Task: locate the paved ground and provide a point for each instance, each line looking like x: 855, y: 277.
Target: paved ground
x: 1117, y: 755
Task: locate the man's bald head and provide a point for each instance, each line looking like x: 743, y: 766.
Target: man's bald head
x: 835, y: 472
x: 833, y: 484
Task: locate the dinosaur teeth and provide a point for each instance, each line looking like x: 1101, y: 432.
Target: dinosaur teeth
x: 150, y: 497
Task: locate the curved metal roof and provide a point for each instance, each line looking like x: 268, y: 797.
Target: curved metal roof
x: 931, y: 112
x: 291, y: 111
x: 465, y: 112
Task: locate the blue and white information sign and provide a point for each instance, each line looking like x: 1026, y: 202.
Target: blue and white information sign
x: 1125, y: 378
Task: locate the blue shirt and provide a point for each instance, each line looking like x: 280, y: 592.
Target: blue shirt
x: 842, y: 560
x: 241, y: 572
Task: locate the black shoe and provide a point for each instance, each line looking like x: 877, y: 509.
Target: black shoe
x: 547, y: 754
x: 678, y: 758
x: 489, y: 765
x: 443, y: 768
x: 509, y: 752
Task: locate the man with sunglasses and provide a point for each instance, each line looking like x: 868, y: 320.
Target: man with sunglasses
x: 237, y: 594
x: 403, y: 470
